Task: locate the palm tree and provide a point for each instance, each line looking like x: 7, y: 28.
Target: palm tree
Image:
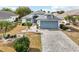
x: 1, y: 25
x: 6, y: 26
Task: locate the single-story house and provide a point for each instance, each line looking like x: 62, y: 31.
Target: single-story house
x: 7, y: 16
x: 48, y: 21
x: 31, y: 16
x: 44, y: 20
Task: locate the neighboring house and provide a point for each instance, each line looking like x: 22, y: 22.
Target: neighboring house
x: 7, y: 16
x: 48, y: 21
x: 31, y: 17
x: 61, y: 16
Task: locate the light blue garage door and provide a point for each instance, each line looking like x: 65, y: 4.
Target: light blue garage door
x: 49, y: 25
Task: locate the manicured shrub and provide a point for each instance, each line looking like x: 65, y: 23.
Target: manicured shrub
x: 21, y: 44
x: 62, y: 26
x: 13, y: 36
x: 29, y: 24
x: 6, y: 36
x: 65, y: 28
x: 9, y: 36
x: 23, y: 24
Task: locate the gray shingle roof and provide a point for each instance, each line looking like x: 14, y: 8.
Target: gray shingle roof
x: 41, y: 16
x: 44, y: 17
x: 27, y: 16
x: 33, y: 13
x: 38, y: 12
x: 6, y: 14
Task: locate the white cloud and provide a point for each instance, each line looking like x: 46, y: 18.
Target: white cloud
x: 39, y: 3
x: 25, y: 2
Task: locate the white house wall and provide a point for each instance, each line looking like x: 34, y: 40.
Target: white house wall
x: 23, y: 20
x: 38, y: 22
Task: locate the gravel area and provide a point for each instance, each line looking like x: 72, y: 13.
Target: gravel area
x: 57, y: 41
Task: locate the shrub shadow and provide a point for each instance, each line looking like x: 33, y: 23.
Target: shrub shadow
x: 34, y: 50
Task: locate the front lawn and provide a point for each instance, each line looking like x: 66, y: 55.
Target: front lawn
x: 73, y: 35
x: 35, y: 42
x: 17, y: 29
x: 5, y: 48
x: 6, y: 26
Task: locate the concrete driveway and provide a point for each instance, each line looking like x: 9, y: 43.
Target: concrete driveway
x: 57, y: 41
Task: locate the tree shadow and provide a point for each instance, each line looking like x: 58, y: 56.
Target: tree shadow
x: 34, y: 50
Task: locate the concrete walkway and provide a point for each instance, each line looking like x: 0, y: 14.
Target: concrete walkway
x: 57, y: 41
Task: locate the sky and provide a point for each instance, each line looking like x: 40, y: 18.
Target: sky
x: 47, y: 5
x: 39, y: 3
x: 33, y: 8
x: 46, y: 8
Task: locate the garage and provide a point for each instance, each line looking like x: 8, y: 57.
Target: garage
x: 49, y: 24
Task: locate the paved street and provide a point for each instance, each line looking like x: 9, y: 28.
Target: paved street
x: 57, y: 41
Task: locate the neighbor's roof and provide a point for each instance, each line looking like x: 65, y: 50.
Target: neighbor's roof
x: 28, y: 16
x: 38, y: 12
x: 68, y: 13
x: 34, y: 13
x: 6, y: 14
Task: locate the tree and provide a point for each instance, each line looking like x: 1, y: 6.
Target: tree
x: 77, y: 17
x: 6, y: 9
x: 48, y: 11
x: 44, y: 11
x: 22, y: 11
x: 69, y: 18
x: 29, y: 24
x: 60, y: 12
x: 73, y: 20
x: 21, y: 44
x: 41, y: 10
